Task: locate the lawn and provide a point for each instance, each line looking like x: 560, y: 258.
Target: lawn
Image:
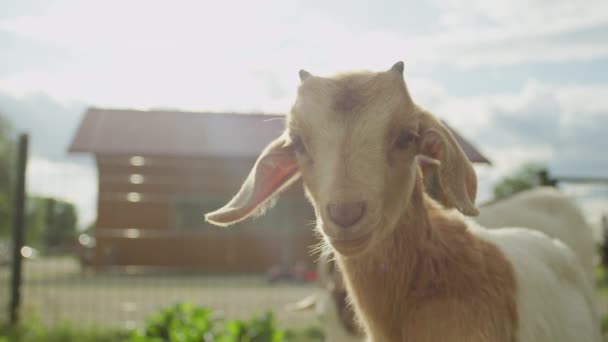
x: 55, y: 290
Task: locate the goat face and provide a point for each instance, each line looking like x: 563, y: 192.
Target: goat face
x: 357, y: 141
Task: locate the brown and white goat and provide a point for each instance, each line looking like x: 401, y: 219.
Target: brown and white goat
x: 545, y: 209
x: 415, y: 268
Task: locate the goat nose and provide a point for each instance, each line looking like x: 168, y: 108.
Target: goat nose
x: 346, y: 214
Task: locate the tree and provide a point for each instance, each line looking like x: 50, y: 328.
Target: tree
x: 34, y: 221
x: 60, y: 223
x: 524, y: 178
x: 50, y: 223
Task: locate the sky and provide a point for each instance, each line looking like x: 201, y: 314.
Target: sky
x: 524, y: 80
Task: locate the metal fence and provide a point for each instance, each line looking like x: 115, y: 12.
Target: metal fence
x: 56, y: 287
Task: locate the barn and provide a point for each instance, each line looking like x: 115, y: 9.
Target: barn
x: 160, y: 170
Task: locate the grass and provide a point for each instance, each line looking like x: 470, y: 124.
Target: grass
x: 75, y: 307
x: 56, y: 290
x: 601, y: 284
x: 179, y: 323
x: 36, y: 331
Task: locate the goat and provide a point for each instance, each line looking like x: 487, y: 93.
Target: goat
x: 545, y: 209
x: 550, y: 211
x: 415, y: 269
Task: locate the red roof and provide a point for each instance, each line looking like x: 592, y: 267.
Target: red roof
x: 190, y: 134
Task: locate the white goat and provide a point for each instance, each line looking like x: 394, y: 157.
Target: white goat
x: 416, y: 271
x: 545, y: 209
x: 550, y: 211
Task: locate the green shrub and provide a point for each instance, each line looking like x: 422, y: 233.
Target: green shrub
x: 258, y: 329
x: 187, y: 323
x: 34, y: 331
x: 178, y: 323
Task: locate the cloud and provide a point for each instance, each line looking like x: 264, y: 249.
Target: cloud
x: 561, y: 126
x: 23, y: 8
x: 570, y: 120
x: 519, y: 15
x: 21, y: 54
x: 198, y: 55
x: 472, y: 62
x: 51, y: 124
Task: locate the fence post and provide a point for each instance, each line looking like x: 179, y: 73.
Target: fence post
x: 18, y: 229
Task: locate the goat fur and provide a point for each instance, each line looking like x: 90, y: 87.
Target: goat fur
x: 545, y: 209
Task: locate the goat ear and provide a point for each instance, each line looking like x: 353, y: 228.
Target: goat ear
x: 445, y: 165
x: 275, y: 170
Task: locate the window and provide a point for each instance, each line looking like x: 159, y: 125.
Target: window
x: 286, y: 214
x: 189, y: 211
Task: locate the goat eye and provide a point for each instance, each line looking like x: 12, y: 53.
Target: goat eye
x: 404, y: 140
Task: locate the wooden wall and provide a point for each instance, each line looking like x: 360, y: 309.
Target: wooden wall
x: 137, y: 223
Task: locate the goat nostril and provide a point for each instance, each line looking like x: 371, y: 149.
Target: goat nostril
x: 346, y: 214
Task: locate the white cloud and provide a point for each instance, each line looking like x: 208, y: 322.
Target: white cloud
x: 562, y: 126
x: 518, y: 15
x: 505, y: 32
x: 203, y: 55
x: 244, y: 56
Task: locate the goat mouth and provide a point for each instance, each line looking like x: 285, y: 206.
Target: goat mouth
x: 352, y: 244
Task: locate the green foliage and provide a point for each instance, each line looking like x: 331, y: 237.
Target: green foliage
x: 258, y: 329
x: 601, y: 284
x: 49, y: 222
x: 187, y: 323
x: 182, y: 322
x: 60, y: 222
x: 523, y: 179
x: 35, y: 331
x: 34, y: 221
x: 178, y: 323
x: 309, y: 334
